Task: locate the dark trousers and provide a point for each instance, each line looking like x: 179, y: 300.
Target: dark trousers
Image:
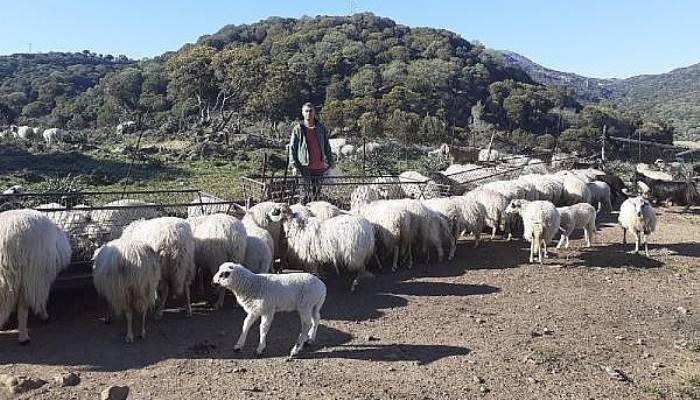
x: 310, y: 186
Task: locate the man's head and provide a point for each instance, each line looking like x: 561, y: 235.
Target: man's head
x: 308, y: 112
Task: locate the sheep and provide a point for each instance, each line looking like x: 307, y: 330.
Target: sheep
x: 14, y: 189
x: 545, y: 187
x: 52, y: 135
x: 206, y: 204
x: 259, y: 215
x: 486, y: 155
x: 118, y: 214
x: 172, y: 240
x: 337, y: 144
x: 347, y: 151
x: 463, y: 214
x: 126, y: 273
x: 494, y: 204
x: 581, y: 215
x: 33, y: 250
x: 346, y: 240
x: 429, y: 227
x: 362, y: 195
x: 638, y: 216
x: 511, y: 190
x: 672, y: 192
x: 541, y: 221
x: 125, y: 127
x: 323, y: 210
x: 368, y: 149
x: 392, y: 229
x: 575, y: 190
x: 617, y: 188
x: 23, y: 132
x: 600, y: 195
x: 388, y: 187
x: 259, y: 249
x: 261, y: 296
x: 417, y: 186
x: 217, y: 238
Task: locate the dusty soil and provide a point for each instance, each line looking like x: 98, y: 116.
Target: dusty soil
x: 485, y: 325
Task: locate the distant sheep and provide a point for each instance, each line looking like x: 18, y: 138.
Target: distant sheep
x: 23, y: 133
x: 261, y: 296
x: 486, y: 155
x: 118, y: 214
x: 126, y: 127
x: 362, y: 195
x: 52, y: 135
x: 639, y: 217
x: 577, y: 216
x: 126, y: 273
x: 172, y: 240
x: 600, y: 195
x: 33, y: 250
x: 218, y: 238
x: 205, y: 204
x: 337, y: 144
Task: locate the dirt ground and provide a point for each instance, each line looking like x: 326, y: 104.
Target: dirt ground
x: 486, y: 325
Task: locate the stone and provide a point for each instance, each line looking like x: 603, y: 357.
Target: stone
x: 115, y: 393
x: 68, y: 379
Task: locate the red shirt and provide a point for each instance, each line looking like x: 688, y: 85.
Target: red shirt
x: 314, y: 148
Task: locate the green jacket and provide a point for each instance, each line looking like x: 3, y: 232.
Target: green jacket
x: 298, y: 147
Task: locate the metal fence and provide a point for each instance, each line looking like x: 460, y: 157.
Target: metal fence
x: 93, y: 218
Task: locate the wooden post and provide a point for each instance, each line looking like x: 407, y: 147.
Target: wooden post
x: 602, y: 144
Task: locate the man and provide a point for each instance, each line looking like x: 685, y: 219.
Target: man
x: 310, y: 151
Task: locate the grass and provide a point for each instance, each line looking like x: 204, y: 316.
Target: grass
x: 652, y: 391
x: 690, y: 389
x: 694, y: 347
x: 682, y: 269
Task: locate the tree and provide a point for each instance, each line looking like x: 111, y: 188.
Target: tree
x: 191, y: 81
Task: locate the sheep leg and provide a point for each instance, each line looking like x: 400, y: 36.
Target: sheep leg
x: 562, y: 239
x: 247, y: 324
x: 220, y: 300
x: 646, y: 245
x: 624, y: 236
x: 567, y: 242
x: 164, y: 288
x: 108, y: 316
x: 395, y: 263
x: 188, y: 304
x: 532, y: 252
x: 636, y: 241
x: 315, y: 321
x: 587, y: 237
x: 143, y: 325
x: 477, y: 239
x: 129, y: 326
x: 265, y: 323
x: 306, y: 324
x: 493, y: 232
x: 22, y: 316
x: 379, y: 263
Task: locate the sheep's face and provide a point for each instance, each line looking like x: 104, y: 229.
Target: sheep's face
x: 279, y: 212
x: 515, y: 207
x: 226, y: 273
x: 639, y: 205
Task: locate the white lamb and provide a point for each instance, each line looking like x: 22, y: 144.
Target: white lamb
x: 261, y: 296
x: 344, y: 241
x: 638, y: 216
x: 172, y: 240
x: 33, y: 250
x: 52, y: 135
x: 323, y: 210
x: 541, y: 222
x: 577, y: 216
x: 600, y: 195
x: 218, y: 238
x: 126, y: 273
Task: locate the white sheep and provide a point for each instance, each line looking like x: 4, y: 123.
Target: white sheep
x: 323, y: 210
x: 489, y: 155
x: 575, y: 189
x: 52, y: 135
x: 206, y: 204
x: 463, y: 214
x: 261, y: 296
x: 511, y: 190
x: 362, y: 195
x: 495, y: 205
x: 638, y: 216
x: 541, y: 221
x: 218, y: 238
x: 344, y: 241
x: 125, y: 127
x: 388, y: 187
x: 336, y: 144
x: 600, y: 195
x: 429, y: 227
x: 172, y: 240
x: 577, y: 216
x: 259, y: 215
x: 546, y: 187
x: 392, y: 229
x: 259, y: 249
x: 347, y: 151
x: 118, y: 214
x: 126, y: 273
x: 23, y: 132
x: 33, y: 250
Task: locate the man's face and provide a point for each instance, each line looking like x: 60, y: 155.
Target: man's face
x: 308, y: 113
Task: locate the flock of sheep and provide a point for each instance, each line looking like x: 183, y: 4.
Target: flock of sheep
x: 149, y: 257
x: 50, y: 135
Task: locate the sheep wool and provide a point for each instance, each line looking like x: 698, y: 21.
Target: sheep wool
x: 33, y: 250
x: 638, y: 216
x: 578, y: 216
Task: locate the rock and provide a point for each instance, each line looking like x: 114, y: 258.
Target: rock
x: 68, y: 379
x: 372, y: 338
x: 682, y: 310
x: 484, y: 389
x: 477, y: 379
x: 392, y: 369
x: 547, y: 331
x: 615, y: 374
x: 640, y: 342
x: 531, y: 380
x: 240, y: 370
x: 115, y: 393
x: 20, y: 384
x: 480, y: 321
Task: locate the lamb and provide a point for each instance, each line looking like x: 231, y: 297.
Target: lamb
x: 392, y: 229
x: 600, y: 195
x: 494, y: 204
x: 344, y: 241
x: 323, y: 210
x: 638, y: 216
x: 581, y: 215
x: 217, y: 238
x: 541, y: 221
x: 33, y: 250
x: 52, y: 135
x: 126, y: 273
x: 261, y: 296
x: 259, y: 249
x: 172, y: 240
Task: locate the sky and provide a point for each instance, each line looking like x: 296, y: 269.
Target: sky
x: 594, y: 38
